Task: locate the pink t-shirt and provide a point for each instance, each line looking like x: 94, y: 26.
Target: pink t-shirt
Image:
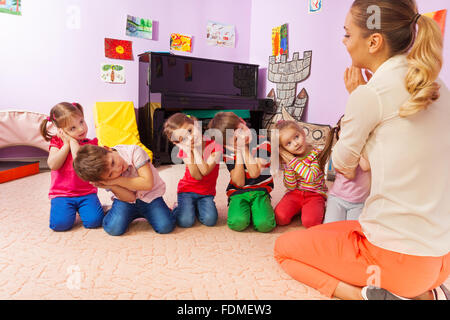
x: 64, y: 181
x: 356, y: 190
x: 136, y: 157
x: 206, y: 186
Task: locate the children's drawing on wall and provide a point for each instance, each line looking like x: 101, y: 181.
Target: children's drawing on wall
x: 221, y: 35
x: 280, y: 41
x: 314, y: 6
x: 112, y: 73
x: 118, y: 49
x: 180, y: 42
x: 11, y: 7
x: 139, y: 27
x: 440, y: 17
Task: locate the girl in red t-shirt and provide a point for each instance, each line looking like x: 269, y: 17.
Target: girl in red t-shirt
x: 196, y: 190
x: 68, y: 193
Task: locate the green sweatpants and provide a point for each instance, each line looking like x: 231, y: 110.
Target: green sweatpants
x: 250, y: 205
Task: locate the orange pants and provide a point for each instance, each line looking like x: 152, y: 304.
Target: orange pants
x: 324, y: 255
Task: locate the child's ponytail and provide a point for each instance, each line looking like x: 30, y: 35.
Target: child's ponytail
x: 325, y: 154
x: 425, y: 63
x: 326, y: 151
x: 44, y: 129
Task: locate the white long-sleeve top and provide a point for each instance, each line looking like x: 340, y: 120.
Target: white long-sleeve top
x: 408, y: 209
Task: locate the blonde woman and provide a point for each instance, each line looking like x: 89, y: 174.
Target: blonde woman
x: 398, y: 120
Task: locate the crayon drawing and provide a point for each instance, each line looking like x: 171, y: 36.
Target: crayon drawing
x: 139, y: 27
x: 11, y: 7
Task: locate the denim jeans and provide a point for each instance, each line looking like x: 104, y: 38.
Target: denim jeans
x: 63, y: 212
x: 190, y: 205
x: 121, y: 214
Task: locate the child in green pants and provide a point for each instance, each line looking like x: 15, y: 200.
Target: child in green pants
x: 251, y: 181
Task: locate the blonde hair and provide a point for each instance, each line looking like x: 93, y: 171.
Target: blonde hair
x: 59, y: 116
x: 176, y: 121
x: 399, y: 20
x: 91, y: 162
x: 325, y: 153
x: 425, y: 63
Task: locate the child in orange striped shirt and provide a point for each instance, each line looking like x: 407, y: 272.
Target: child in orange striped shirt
x: 303, y: 176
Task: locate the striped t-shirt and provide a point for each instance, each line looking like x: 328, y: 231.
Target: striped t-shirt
x: 305, y: 174
x: 265, y: 180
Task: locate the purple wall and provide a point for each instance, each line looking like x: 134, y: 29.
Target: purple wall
x: 322, y: 33
x: 43, y: 60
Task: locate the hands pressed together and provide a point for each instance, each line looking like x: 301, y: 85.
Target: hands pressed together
x: 353, y: 78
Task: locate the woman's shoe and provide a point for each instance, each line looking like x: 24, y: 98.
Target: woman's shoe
x: 375, y: 293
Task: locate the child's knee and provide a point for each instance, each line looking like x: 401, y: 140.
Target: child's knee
x: 113, y: 228
x: 185, y: 220
x: 61, y: 225
x: 93, y: 222
x: 265, y: 226
x: 238, y: 223
x: 311, y: 221
x: 164, y: 227
x: 209, y: 219
x: 281, y: 218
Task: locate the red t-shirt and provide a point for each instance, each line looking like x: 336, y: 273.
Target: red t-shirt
x: 206, y: 186
x: 64, y: 181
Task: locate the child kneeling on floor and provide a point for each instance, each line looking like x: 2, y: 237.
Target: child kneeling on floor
x: 137, y: 188
x: 197, y: 189
x: 303, y: 177
x: 251, y: 181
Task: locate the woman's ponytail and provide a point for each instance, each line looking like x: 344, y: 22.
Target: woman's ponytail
x: 425, y: 63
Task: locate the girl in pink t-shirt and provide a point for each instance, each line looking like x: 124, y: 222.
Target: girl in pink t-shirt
x: 68, y: 193
x: 196, y: 190
x: 346, y: 197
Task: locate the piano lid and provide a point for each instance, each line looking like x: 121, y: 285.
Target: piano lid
x: 182, y: 75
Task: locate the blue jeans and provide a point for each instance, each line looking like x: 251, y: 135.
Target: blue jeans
x: 191, y: 204
x: 63, y: 212
x: 122, y: 213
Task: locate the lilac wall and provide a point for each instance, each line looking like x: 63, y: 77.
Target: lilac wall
x: 43, y: 61
x: 322, y: 33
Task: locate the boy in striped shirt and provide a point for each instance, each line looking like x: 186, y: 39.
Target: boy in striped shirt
x: 303, y: 178
x: 248, y: 161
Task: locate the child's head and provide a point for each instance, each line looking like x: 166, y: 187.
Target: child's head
x: 224, y: 121
x: 95, y: 163
x: 68, y: 117
x: 292, y: 137
x: 181, y: 129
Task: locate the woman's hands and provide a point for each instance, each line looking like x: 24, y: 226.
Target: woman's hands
x: 353, y: 78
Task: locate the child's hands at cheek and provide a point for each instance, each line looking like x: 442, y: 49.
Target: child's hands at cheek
x: 286, y: 156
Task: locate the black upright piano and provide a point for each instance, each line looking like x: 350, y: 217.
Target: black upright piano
x: 189, y: 84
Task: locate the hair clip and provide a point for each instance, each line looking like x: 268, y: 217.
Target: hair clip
x: 48, y: 119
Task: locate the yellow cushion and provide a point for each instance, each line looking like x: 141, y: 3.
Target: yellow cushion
x: 115, y: 123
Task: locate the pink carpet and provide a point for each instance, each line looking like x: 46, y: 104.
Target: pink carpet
x: 195, y: 263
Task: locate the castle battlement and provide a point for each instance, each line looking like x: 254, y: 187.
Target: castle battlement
x: 284, y: 72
